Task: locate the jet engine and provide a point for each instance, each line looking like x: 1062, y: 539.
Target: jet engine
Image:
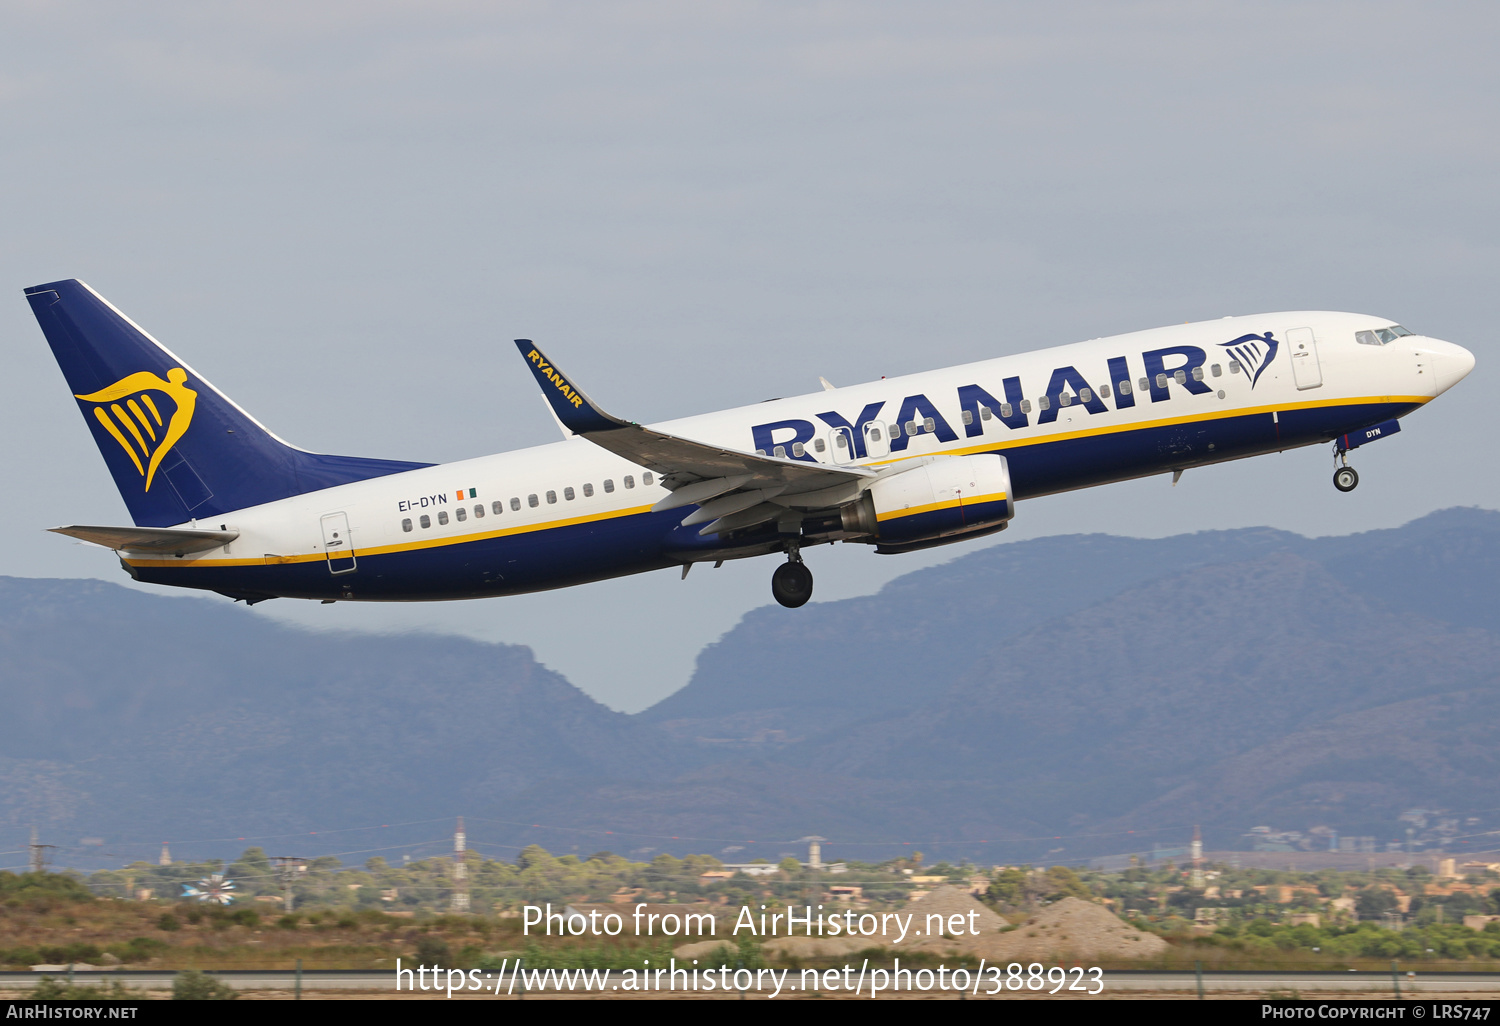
x: 942, y: 500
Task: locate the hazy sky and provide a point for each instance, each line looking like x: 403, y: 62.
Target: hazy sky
x: 340, y: 213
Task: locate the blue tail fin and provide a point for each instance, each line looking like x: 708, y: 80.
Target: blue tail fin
x: 178, y: 448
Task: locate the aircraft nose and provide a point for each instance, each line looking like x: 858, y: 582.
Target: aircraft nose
x: 1451, y: 364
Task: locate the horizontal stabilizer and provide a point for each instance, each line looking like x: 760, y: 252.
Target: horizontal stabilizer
x: 150, y: 539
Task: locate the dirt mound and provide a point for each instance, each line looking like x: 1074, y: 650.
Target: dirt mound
x: 1067, y: 928
x: 946, y: 901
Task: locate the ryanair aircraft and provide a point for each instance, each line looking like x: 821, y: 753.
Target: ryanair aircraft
x: 220, y: 503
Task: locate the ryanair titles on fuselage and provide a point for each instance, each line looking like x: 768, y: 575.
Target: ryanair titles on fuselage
x: 1013, y: 410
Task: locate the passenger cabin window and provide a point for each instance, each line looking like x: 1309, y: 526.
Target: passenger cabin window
x: 1179, y: 377
x: 819, y: 445
x: 1085, y: 395
x: 1161, y: 380
x: 461, y: 514
x: 569, y: 494
x: 1145, y: 384
x: 1006, y: 410
x: 425, y: 521
x: 497, y: 507
x: 1234, y: 366
x: 533, y: 501
x: 442, y: 517
x: 760, y: 452
x: 551, y: 496
x: 479, y: 510
x: 928, y: 424
x: 1216, y: 371
x: 646, y: 479
x: 1125, y: 388
x: 588, y: 491
x: 1104, y: 391
x: 609, y: 483
x: 406, y: 524
x: 1043, y: 403
x: 515, y: 503
x: 1197, y: 373
x: 874, y: 434
x: 798, y: 449
x: 629, y: 481
x: 1025, y: 405
x: 780, y: 450
x: 1065, y: 400
x: 984, y: 413
x: 895, y: 431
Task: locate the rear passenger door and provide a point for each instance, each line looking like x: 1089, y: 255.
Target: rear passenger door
x: 337, y: 543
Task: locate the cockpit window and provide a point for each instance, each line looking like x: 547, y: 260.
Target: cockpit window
x: 1380, y: 336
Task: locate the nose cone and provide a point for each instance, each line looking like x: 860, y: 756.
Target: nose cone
x: 1450, y: 363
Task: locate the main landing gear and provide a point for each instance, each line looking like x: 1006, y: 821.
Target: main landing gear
x: 792, y: 583
x: 1345, y: 477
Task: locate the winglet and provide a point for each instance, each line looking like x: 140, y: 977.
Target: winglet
x: 575, y: 410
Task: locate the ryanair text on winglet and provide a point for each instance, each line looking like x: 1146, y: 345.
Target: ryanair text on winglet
x: 557, y: 379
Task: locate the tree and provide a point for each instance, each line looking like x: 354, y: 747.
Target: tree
x: 1372, y: 901
x: 1008, y: 888
x: 1064, y: 883
x: 433, y: 951
x: 789, y: 866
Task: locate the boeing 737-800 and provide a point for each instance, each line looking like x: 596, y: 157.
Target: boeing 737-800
x: 220, y: 503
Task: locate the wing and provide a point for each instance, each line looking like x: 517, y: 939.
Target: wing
x: 150, y: 539
x: 732, y: 489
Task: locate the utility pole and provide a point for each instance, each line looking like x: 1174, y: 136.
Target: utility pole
x: 460, y: 901
x: 37, y: 853
x: 287, y: 868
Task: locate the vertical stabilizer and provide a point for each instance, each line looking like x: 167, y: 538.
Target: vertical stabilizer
x: 178, y: 448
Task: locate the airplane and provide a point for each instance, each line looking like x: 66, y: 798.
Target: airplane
x: 220, y: 503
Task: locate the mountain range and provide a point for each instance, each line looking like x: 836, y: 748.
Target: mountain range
x: 1059, y: 697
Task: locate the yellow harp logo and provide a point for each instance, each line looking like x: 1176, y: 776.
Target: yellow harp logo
x: 138, y: 418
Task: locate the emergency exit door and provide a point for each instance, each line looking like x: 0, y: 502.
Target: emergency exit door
x: 337, y: 543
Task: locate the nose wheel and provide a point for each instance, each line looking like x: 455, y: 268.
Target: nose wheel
x: 1345, y: 477
x: 792, y: 583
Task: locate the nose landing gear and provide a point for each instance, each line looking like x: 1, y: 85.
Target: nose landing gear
x: 792, y: 583
x: 1345, y: 477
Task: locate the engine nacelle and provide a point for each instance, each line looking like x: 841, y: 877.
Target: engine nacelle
x: 942, y: 500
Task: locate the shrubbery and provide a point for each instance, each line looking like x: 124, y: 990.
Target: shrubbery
x: 1364, y: 940
x: 192, y: 985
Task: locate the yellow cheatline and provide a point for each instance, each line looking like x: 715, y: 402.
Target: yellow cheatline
x: 988, y: 447
x: 945, y: 504
x: 1112, y: 429
x: 381, y: 550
